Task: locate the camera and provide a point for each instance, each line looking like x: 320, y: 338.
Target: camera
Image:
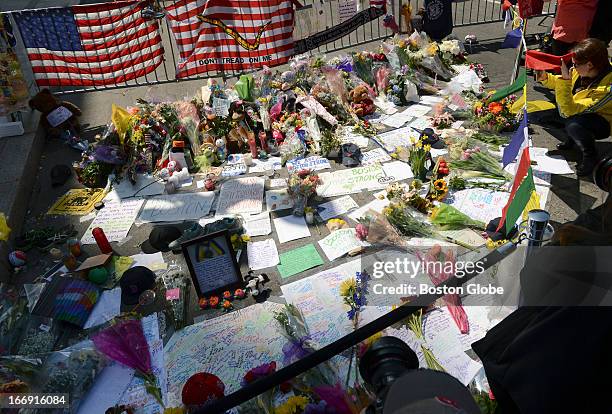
x: 602, y: 173
x: 391, y: 370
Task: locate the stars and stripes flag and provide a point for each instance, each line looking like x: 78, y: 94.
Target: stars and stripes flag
x: 90, y: 45
x: 219, y: 35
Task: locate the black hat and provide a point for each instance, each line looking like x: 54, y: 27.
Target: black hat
x: 60, y: 174
x: 431, y: 138
x: 351, y: 155
x: 159, y: 239
x: 495, y: 235
x: 135, y: 281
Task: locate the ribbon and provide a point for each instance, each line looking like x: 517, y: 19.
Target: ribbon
x: 295, y: 349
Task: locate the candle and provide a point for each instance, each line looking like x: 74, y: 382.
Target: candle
x: 101, y: 240
x: 263, y: 141
x: 75, y: 247
x: 252, y: 145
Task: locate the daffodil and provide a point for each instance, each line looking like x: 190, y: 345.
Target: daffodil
x: 418, y: 145
x: 427, y: 147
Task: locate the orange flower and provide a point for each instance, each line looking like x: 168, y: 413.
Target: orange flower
x: 495, y: 108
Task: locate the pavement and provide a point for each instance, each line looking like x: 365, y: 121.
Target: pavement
x: 569, y: 196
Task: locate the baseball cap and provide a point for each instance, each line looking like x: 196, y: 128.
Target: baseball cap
x: 351, y: 155
x: 495, y: 235
x: 60, y: 174
x: 431, y: 138
x: 134, y: 281
x: 159, y: 239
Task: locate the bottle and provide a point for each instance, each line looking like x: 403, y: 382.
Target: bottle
x: 101, y: 240
x: 252, y: 145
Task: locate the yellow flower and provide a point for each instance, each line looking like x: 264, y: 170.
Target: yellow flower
x: 294, y: 405
x: 348, y: 286
x: 434, y: 213
x: 418, y: 145
x: 370, y: 341
x: 401, y: 44
x: 339, y: 222
x: 440, y: 185
x: 387, y: 210
x: 427, y: 147
x: 432, y: 49
x: 174, y: 410
x: 245, y: 238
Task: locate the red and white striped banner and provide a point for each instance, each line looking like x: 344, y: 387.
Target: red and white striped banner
x: 219, y: 35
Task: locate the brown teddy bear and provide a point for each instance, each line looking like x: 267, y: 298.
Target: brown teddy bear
x: 361, y: 102
x: 57, y: 116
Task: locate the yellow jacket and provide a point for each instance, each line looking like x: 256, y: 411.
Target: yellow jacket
x: 597, y: 98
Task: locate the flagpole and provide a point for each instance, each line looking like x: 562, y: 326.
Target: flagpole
x: 520, y: 51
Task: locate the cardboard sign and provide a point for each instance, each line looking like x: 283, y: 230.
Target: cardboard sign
x: 77, y: 201
x: 314, y: 163
x: 241, y: 196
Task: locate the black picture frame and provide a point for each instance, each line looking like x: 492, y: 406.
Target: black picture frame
x: 222, y: 239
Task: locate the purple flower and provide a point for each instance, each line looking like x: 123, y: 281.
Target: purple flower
x: 318, y: 408
x: 351, y: 313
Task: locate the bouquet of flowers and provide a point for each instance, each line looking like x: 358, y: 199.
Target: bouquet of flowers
x: 301, y: 186
x: 419, y: 155
x: 451, y: 52
x: 415, y: 324
x: 362, y: 65
x: 409, y: 196
x: 402, y: 219
x: 495, y: 116
x: 398, y: 90
x: 481, y: 162
x: 448, y: 217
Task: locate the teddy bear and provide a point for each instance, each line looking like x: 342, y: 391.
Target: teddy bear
x: 361, y: 102
x: 57, y: 116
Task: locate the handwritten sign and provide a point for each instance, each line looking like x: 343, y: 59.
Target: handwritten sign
x: 340, y: 242
x: 350, y: 137
x: 263, y: 165
x: 177, y: 207
x: 241, y: 196
x: 278, y: 200
x: 221, y: 106
x: 397, y: 138
x: 351, y: 180
x: 346, y: 9
x: 375, y: 156
x: 77, y: 201
x: 479, y: 203
x: 116, y: 219
x: 232, y: 170
x: 314, y: 163
x: 336, y: 207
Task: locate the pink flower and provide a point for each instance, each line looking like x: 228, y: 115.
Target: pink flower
x: 361, y: 231
x: 465, y: 156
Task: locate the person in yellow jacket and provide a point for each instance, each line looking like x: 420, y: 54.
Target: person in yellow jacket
x: 584, y: 98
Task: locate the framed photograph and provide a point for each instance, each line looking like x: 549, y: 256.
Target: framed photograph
x: 212, y: 264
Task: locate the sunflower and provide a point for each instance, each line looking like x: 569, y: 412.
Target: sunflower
x: 440, y: 185
x: 347, y: 287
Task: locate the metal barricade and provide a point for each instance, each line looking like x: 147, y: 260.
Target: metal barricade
x: 312, y: 17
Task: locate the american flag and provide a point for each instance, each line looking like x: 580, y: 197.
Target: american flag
x: 218, y: 35
x: 102, y: 44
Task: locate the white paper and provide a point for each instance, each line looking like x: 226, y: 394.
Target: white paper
x: 291, y: 228
x: 107, y: 389
x: 314, y: 163
x: 339, y: 242
x: 396, y: 138
x: 264, y: 165
x: 399, y: 170
x: 384, y: 105
x: 200, y: 183
x: 336, y: 207
x: 241, y: 196
x: 398, y: 119
x: 177, y: 207
x: 417, y: 110
x: 374, y: 156
x: 153, y: 185
x: 58, y: 115
x: 346, y: 9
x: 431, y: 100
x: 456, y: 124
x: 154, y: 261
x: 262, y: 254
x: 116, y: 219
x: 232, y: 170
x: 221, y: 106
x: 278, y: 182
x: 377, y: 205
x: 553, y: 164
x: 350, y: 137
x: 278, y: 200
x: 257, y: 224
x: 352, y: 180
x: 420, y: 123
x: 187, y: 182
x: 107, y: 307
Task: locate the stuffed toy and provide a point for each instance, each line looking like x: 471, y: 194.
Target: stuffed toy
x: 360, y: 101
x: 57, y: 116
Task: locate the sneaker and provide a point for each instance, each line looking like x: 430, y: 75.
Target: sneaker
x: 228, y: 223
x: 188, y: 234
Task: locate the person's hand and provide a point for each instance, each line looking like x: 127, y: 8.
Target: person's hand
x: 541, y: 75
x: 565, y: 71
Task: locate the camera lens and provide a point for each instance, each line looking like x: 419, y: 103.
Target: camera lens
x: 385, y: 361
x: 602, y: 173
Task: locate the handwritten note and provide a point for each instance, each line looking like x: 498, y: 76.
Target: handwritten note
x: 420, y: 123
x: 377, y: 155
x: 291, y: 228
x: 417, y: 110
x: 262, y: 254
x: 336, y: 207
x: 241, y: 195
x: 278, y: 200
x: 146, y: 185
x: 257, y: 224
x: 232, y: 170
x: 398, y: 170
x: 116, y: 219
x: 479, y: 203
x: 352, y: 180
x: 58, y: 115
x: 396, y: 138
x: 346, y: 9
x: 313, y: 163
x: 177, y: 207
x: 398, y: 119
x: 221, y: 106
x: 278, y: 182
x: 298, y: 260
x: 264, y: 165
x: 351, y: 137
x: 244, y: 339
x: 340, y: 242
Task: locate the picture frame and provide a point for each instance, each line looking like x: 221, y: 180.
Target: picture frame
x: 212, y: 264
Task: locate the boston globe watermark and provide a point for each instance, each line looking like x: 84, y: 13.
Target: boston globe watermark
x: 398, y: 274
